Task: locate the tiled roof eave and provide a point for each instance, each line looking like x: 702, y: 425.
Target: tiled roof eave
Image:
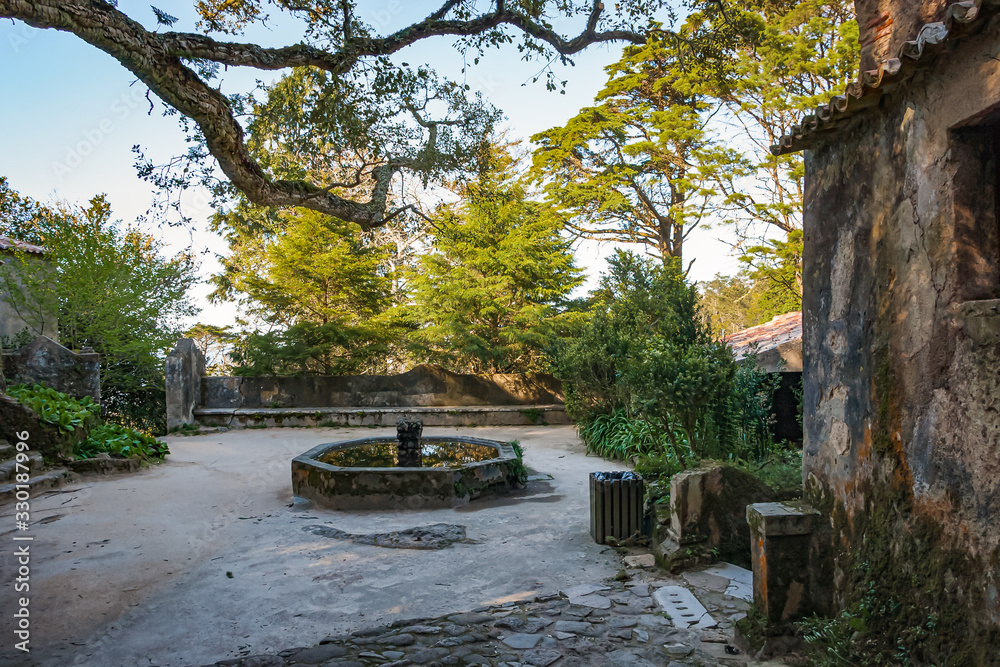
x: 961, y: 19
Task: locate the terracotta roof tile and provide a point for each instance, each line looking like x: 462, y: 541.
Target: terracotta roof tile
x: 780, y: 330
x: 7, y: 243
x: 960, y: 19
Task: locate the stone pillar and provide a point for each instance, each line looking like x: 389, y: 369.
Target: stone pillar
x: 185, y: 366
x: 780, y: 539
x: 408, y: 443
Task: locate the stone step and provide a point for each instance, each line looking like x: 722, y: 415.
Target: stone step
x: 51, y: 479
x: 9, y: 468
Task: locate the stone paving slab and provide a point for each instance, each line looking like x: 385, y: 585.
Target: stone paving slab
x: 541, y: 631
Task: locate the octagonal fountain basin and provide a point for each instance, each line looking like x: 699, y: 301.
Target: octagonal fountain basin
x: 363, y: 474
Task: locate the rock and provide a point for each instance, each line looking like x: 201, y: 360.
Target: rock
x: 651, y: 621
x: 577, y: 627
x: 320, y: 653
x: 521, y: 640
x: 620, y: 633
x: 529, y: 625
x: 558, y: 634
x: 623, y: 658
x: 422, y: 629
x: 426, y: 655
x: 470, y: 618
x: 640, y: 589
x: 640, y: 561
x: 541, y: 657
x: 594, y: 601
x: 677, y: 650
x: 403, y: 639
x: 393, y: 655
x: 641, y: 635
x: 263, y: 661
x: 619, y: 622
x: 582, y: 589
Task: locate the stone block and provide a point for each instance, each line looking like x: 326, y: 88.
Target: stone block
x: 781, y: 536
x: 708, y: 509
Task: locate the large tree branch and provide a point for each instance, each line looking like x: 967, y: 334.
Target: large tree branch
x: 156, y: 59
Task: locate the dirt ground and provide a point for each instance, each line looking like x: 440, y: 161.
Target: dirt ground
x: 135, y: 570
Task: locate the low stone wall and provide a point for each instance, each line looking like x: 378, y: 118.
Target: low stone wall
x: 45, y: 361
x: 424, y: 386
x: 431, y: 394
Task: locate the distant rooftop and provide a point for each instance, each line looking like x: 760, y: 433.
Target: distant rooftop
x: 783, y: 334
x: 7, y: 243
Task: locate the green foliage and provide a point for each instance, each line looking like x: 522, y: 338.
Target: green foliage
x: 745, y: 416
x: 324, y: 291
x: 781, y: 469
x: 639, y: 166
x: 519, y: 470
x: 216, y: 344
x: 120, y: 442
x: 309, y: 348
x: 113, y: 291
x: 55, y: 407
x: 18, y: 340
x: 777, y: 267
x: 646, y: 377
x: 731, y: 303
x: 621, y: 437
x: 488, y: 295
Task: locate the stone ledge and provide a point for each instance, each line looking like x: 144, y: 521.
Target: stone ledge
x: 781, y: 519
x: 479, y: 415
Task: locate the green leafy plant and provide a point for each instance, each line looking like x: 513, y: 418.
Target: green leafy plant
x: 120, y: 442
x: 55, y: 407
x: 519, y: 470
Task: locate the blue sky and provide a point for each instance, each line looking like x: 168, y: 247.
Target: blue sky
x: 70, y: 115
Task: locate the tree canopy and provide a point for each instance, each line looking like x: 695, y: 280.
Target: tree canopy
x: 181, y: 68
x: 113, y: 290
x: 487, y: 295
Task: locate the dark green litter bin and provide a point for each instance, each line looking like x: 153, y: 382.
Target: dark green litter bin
x: 615, y: 505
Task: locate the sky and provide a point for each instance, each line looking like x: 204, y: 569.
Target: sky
x: 70, y: 116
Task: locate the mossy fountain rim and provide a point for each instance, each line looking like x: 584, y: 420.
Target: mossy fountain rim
x: 337, y: 487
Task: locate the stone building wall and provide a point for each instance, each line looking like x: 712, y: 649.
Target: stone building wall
x: 901, y: 347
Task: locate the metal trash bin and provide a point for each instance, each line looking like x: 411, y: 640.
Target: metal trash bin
x: 615, y: 505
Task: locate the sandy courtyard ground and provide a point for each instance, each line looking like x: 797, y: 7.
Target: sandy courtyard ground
x: 132, y: 570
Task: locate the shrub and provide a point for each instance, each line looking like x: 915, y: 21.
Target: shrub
x: 120, y: 442
x: 646, y: 378
x: 55, y: 407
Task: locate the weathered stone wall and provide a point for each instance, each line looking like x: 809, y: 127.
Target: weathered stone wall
x: 901, y: 403
x: 44, y: 361
x: 423, y: 386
